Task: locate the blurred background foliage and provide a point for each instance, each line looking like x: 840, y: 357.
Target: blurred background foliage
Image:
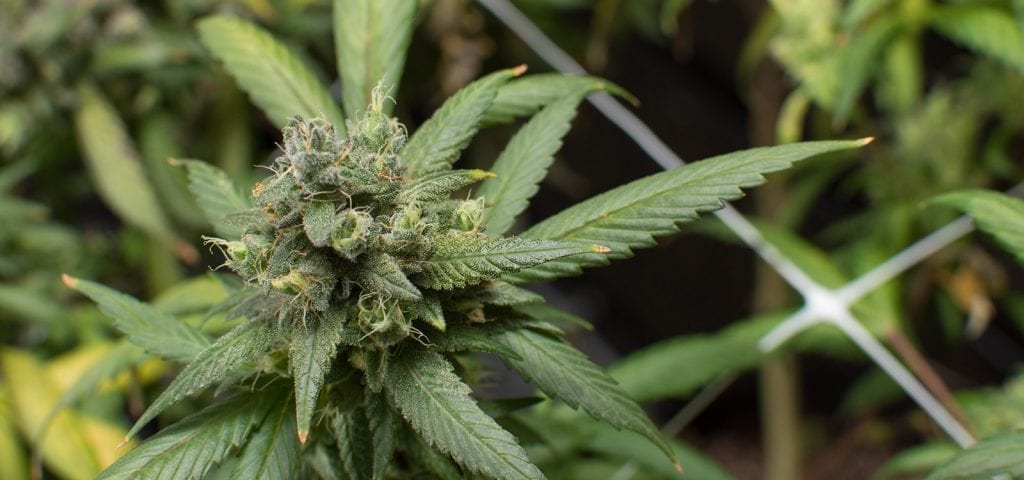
x: 96, y: 97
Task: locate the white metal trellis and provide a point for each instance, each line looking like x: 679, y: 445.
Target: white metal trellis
x: 821, y: 305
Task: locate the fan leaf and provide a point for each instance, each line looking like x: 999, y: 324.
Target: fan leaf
x: 370, y: 39
x: 436, y: 403
x: 632, y: 215
x: 462, y: 259
x: 563, y: 372
x: 273, y: 76
x: 158, y: 333
x: 438, y: 142
x: 525, y: 161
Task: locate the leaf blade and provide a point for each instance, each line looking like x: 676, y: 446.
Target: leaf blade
x: 438, y: 406
x: 632, y: 215
x: 998, y: 214
x: 191, y: 447
x: 309, y: 356
x: 563, y: 372
x: 217, y: 196
x: 370, y: 41
x: 274, y: 77
x: 145, y: 326
x: 466, y: 259
x: 524, y: 163
x: 438, y: 142
x: 242, y: 344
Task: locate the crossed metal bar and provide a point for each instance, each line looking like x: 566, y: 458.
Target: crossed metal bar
x: 821, y: 304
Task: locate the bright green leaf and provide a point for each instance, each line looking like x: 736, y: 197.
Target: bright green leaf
x: 525, y: 96
x: 986, y: 30
x: 995, y: 458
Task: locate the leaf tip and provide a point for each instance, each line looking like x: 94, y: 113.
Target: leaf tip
x: 303, y: 436
x: 517, y: 71
x: 483, y: 174
x: 68, y: 280
x: 123, y: 442
x: 865, y: 141
x: 677, y: 466
x: 600, y: 249
x: 175, y: 162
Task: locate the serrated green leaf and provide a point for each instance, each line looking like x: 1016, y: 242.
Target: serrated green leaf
x: 145, y: 326
x: 438, y: 142
x: 435, y: 463
x: 190, y: 448
x: 986, y: 30
x: 999, y: 215
x: 471, y: 338
x: 217, y: 196
x: 467, y: 259
x: 550, y: 314
x: 273, y: 452
x: 115, y: 167
x: 563, y: 372
x: 430, y: 311
x: 524, y: 163
x: 383, y: 428
x: 274, y: 77
x: 370, y: 41
x: 994, y: 458
x: 439, y: 186
x: 310, y: 352
x: 630, y: 216
x: 624, y: 446
x: 355, y: 442
x: 381, y: 273
x: 436, y: 403
x: 859, y: 62
x: 239, y: 347
x: 525, y: 96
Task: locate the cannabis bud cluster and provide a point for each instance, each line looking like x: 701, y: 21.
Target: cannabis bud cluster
x: 340, y: 231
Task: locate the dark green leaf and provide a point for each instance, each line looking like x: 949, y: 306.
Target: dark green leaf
x: 190, y: 448
x: 242, y: 346
x: 525, y: 96
x: 563, y: 372
x: 462, y: 259
x: 145, y: 326
x: 437, y: 405
x: 273, y: 452
x: 310, y: 353
x: 631, y: 216
x: 994, y: 458
x: 218, y: 196
x: 524, y: 163
x: 998, y: 214
x: 438, y: 142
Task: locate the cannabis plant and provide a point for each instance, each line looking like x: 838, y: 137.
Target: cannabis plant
x: 372, y: 271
